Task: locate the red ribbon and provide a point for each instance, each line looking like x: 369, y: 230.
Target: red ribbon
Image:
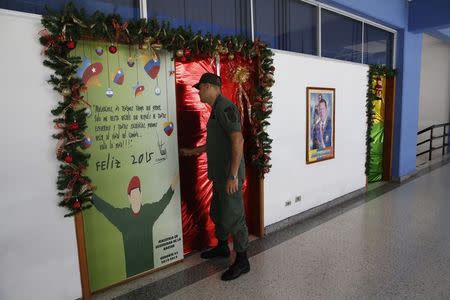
x: 120, y: 28
x: 51, y: 42
x: 76, y: 177
x: 77, y: 89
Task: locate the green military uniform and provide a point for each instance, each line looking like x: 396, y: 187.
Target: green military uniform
x: 227, y: 211
x: 136, y: 229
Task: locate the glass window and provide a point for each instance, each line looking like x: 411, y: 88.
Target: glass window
x: 341, y: 37
x: 128, y: 9
x: 378, y: 46
x: 265, y: 12
x: 216, y: 16
x: 287, y: 25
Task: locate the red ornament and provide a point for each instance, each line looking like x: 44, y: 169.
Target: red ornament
x: 70, y: 45
x: 112, y: 49
x: 187, y: 52
x: 77, y: 204
x: 74, y: 126
x: 68, y: 159
x: 183, y: 58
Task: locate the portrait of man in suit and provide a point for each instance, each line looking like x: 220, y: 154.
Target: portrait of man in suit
x: 322, y: 126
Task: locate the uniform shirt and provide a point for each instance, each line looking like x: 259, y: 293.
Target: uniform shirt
x: 136, y: 230
x: 224, y: 120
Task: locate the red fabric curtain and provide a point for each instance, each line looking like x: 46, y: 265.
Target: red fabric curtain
x: 192, y: 117
x: 196, y: 189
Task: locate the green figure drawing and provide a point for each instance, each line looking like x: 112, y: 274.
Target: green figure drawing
x: 136, y: 224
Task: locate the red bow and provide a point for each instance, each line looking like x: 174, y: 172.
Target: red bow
x: 120, y: 29
x: 50, y: 42
x: 76, y: 177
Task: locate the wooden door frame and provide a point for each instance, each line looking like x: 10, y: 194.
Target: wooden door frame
x: 389, y: 118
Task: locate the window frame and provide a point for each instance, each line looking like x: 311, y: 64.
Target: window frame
x: 143, y: 14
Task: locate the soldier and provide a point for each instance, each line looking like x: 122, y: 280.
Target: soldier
x: 226, y: 168
x: 135, y: 223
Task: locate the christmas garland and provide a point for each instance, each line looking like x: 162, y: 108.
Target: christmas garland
x: 374, y: 70
x: 59, y: 37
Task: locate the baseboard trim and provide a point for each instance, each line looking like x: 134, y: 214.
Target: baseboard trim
x: 423, y: 170
x: 311, y: 213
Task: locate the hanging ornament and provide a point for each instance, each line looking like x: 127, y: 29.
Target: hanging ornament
x: 112, y: 49
x: 87, y: 142
x: 77, y: 204
x: 66, y: 92
x: 152, y: 68
x: 119, y: 77
x: 109, y: 92
x: 70, y: 45
x: 180, y: 53
x: 241, y: 76
x: 187, y: 52
x: 231, y: 56
x: 68, y: 159
x: 130, y: 62
x: 138, y: 89
x: 168, y: 128
x: 99, y: 51
x: 74, y: 126
x: 157, y: 91
x: 88, y: 112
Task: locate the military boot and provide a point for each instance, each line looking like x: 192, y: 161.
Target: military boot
x: 221, y: 250
x: 240, y: 266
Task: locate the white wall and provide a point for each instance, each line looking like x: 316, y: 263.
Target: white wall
x: 290, y: 176
x: 434, y: 107
x: 38, y: 255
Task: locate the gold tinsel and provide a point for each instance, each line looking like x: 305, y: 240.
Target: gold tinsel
x: 241, y: 75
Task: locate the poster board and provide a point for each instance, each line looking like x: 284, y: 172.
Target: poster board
x: 135, y: 224
x: 320, y: 124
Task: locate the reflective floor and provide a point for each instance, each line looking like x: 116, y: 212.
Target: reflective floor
x: 393, y: 242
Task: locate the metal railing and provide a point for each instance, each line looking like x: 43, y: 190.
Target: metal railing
x: 432, y: 138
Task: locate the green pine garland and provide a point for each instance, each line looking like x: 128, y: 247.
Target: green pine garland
x: 62, y: 32
x: 374, y: 70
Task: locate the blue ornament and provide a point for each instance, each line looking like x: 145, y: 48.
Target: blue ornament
x: 87, y: 142
x: 99, y: 51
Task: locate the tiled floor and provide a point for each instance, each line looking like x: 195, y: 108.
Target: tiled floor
x: 393, y: 242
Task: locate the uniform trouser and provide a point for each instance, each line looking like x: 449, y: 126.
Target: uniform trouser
x: 227, y: 213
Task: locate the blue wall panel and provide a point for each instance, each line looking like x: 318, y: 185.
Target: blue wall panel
x: 394, y: 14
x: 428, y: 15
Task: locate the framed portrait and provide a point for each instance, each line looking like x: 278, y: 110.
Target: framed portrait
x: 320, y: 120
